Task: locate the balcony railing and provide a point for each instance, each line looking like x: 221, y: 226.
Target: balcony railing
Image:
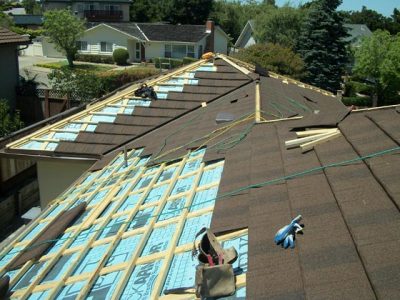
x: 103, y: 15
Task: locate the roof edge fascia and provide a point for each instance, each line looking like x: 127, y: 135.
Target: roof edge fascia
x: 113, y: 28
x: 240, y: 38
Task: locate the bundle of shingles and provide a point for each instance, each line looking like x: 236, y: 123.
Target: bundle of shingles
x: 306, y: 140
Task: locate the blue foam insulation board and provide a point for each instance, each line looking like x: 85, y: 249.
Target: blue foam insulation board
x: 204, y: 198
x: 71, y: 291
x: 61, y: 266
x: 29, y: 276
x: 192, y: 226
x: 211, y: 175
x: 141, y: 218
x: 124, y: 250
x: 141, y: 282
x: 104, y: 286
x: 39, y: 295
x: 112, y: 227
x: 172, y: 209
x: 159, y: 239
x: 91, y: 259
x: 130, y: 202
x: 183, y: 185
x: 241, y: 246
x: 182, y: 272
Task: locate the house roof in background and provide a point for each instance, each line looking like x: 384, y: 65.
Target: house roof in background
x: 9, y: 37
x: 15, y: 11
x: 233, y: 175
x: 110, y: 1
x: 160, y: 32
x: 169, y: 32
x: 357, y: 31
x: 249, y: 26
x: 28, y: 19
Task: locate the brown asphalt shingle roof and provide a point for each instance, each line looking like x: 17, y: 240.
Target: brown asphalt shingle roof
x: 9, y: 37
x: 351, y: 241
x: 350, y: 246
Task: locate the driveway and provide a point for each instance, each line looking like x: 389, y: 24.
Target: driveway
x: 28, y: 62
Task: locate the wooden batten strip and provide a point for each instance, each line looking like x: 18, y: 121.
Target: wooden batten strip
x: 310, y: 145
x: 299, y: 141
x: 315, y: 131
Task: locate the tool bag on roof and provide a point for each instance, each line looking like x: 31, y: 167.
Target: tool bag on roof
x: 146, y: 92
x: 214, y: 274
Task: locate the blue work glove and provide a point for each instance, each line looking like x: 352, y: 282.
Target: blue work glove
x: 287, y: 234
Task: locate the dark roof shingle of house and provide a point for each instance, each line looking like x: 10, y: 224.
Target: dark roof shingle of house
x: 159, y: 31
x: 28, y: 19
x: 169, y: 32
x: 347, y: 189
x: 9, y: 37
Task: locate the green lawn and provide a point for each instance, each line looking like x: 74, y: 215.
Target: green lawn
x: 77, y: 66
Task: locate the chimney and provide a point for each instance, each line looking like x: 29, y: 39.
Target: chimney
x: 210, y: 39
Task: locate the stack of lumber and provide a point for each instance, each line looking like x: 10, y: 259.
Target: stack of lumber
x: 306, y: 140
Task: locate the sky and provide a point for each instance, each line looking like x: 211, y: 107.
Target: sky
x: 385, y: 7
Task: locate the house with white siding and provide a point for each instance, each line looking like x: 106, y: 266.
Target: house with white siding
x: 146, y: 41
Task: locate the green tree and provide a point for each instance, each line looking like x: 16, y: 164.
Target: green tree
x: 280, y: 25
x: 274, y: 58
x: 149, y: 10
x: 378, y: 61
x: 190, y: 11
x: 9, y: 122
x: 373, y: 19
x: 64, y: 29
x: 322, y: 47
x: 28, y: 5
x: 226, y: 15
x: 6, y: 21
x: 76, y: 85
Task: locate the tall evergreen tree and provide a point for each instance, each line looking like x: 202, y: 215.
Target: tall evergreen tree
x: 321, y: 45
x: 190, y: 11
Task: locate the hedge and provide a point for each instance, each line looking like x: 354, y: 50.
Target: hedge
x: 172, y: 62
x: 353, y: 87
x: 357, y: 101
x: 94, y: 58
x: 115, y: 79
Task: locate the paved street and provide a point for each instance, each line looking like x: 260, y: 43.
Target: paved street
x: 28, y: 62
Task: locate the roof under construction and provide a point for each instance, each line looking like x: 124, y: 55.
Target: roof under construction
x: 224, y: 148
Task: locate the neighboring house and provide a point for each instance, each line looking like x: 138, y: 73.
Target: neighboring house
x: 28, y: 21
x: 10, y: 43
x: 92, y: 10
x: 159, y: 171
x: 246, y: 37
x: 15, y: 11
x: 145, y: 41
x: 356, y: 33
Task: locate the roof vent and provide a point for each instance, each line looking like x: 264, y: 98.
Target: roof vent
x: 223, y: 117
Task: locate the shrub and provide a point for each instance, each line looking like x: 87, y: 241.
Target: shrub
x: 189, y: 60
x: 171, y: 62
x: 115, y: 79
x: 274, y: 58
x: 353, y: 87
x: 357, y: 101
x: 94, y: 58
x: 120, y: 56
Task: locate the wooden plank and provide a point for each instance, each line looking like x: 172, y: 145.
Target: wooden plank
x: 297, y: 142
x: 314, y: 131
x: 310, y: 145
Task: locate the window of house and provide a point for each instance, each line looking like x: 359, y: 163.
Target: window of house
x: 82, y: 45
x: 178, y: 51
x: 137, y: 51
x: 190, y: 51
x: 106, y: 47
x: 167, y: 51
